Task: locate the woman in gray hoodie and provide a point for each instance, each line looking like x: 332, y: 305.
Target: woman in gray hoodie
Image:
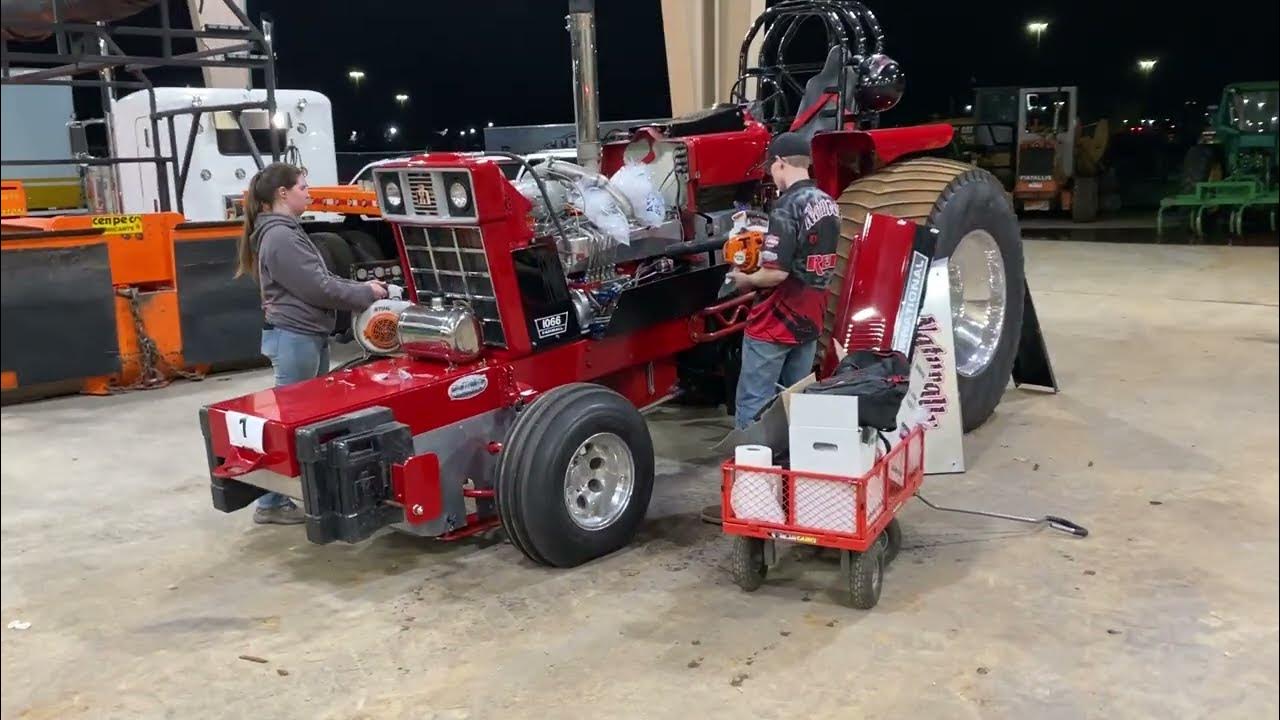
x: 300, y: 297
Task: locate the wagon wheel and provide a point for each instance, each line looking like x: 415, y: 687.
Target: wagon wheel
x: 865, y: 574
x: 892, y: 537
x: 748, y: 565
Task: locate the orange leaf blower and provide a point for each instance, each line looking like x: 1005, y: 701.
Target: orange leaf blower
x: 745, y: 242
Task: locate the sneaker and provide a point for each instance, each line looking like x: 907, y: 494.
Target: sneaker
x: 288, y: 514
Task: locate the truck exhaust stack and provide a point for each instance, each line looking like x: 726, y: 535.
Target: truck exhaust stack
x: 586, y: 105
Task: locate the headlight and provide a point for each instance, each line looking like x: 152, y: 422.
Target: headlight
x: 458, y: 195
x: 391, y: 191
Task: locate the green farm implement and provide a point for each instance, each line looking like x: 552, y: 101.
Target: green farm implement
x: 1233, y: 169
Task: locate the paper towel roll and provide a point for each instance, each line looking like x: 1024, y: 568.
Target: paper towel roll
x: 756, y: 494
x: 760, y: 456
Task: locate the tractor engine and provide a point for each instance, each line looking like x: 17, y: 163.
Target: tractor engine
x: 513, y: 256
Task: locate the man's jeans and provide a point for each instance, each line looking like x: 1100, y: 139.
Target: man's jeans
x: 765, y: 365
x: 294, y: 357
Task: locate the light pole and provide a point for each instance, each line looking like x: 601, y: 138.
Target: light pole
x: 356, y: 77
x: 1037, y: 28
x: 1146, y: 66
x: 402, y: 99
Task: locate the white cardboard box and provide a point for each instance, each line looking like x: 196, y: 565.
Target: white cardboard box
x: 824, y: 435
x: 825, y: 438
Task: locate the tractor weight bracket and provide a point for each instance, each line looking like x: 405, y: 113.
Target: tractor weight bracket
x: 415, y: 484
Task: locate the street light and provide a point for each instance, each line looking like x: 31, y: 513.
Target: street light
x: 490, y: 123
x: 1146, y: 65
x: 356, y: 76
x: 1037, y: 28
x: 401, y: 99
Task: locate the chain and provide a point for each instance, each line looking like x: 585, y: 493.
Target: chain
x: 156, y: 371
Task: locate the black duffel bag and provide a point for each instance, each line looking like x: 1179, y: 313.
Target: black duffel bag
x: 878, y: 379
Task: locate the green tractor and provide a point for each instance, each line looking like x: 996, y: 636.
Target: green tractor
x: 1234, y: 166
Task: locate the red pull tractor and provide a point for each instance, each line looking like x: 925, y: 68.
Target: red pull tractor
x: 547, y: 308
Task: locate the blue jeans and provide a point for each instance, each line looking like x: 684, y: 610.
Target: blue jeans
x: 294, y: 357
x: 765, y: 365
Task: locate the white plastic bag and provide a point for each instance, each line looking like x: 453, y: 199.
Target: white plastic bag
x: 635, y: 181
x: 603, y: 212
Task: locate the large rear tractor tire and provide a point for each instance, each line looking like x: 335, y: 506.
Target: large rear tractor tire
x: 575, y: 476
x: 338, y: 259
x: 1084, y: 206
x: 1202, y: 163
x: 364, y: 246
x: 978, y: 231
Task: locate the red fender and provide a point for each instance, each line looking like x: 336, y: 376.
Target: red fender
x: 842, y: 156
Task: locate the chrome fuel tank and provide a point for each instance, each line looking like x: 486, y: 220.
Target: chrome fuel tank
x: 440, y: 332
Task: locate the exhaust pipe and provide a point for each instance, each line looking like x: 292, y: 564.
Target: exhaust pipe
x: 586, y: 105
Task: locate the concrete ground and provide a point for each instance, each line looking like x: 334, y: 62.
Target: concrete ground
x: 141, y: 597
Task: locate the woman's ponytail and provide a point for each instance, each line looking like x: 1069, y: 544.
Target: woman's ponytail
x: 259, y: 196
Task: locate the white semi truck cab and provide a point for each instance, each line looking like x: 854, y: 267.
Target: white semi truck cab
x: 221, y: 157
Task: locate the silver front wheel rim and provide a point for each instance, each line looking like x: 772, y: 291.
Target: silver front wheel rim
x: 599, y: 481
x: 978, y: 301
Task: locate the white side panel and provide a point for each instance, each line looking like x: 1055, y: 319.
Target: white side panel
x: 933, y: 398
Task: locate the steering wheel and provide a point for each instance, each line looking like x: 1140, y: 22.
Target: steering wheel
x: 771, y: 109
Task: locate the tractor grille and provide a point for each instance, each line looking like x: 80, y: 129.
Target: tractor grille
x: 423, y: 197
x: 450, y: 263
x: 1036, y: 162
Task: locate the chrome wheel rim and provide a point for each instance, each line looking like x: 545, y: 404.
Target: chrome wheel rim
x: 978, y: 301
x: 599, y: 481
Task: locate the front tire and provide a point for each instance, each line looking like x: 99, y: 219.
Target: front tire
x: 576, y: 475
x: 979, y: 231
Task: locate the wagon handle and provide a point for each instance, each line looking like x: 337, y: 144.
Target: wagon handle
x: 1053, y: 521
x: 1066, y: 526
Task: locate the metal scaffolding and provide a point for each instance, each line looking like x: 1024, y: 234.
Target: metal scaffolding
x: 91, y: 49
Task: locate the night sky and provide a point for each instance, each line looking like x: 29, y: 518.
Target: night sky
x: 476, y: 61
x: 467, y: 63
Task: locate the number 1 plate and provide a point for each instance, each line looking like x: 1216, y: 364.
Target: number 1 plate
x: 245, y: 431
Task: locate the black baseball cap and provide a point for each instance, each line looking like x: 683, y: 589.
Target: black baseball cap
x: 788, y: 144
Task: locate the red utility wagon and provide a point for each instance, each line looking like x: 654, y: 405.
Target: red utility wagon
x: 855, y: 515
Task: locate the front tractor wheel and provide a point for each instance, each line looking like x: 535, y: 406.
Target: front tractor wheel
x: 576, y: 475
x: 978, y: 231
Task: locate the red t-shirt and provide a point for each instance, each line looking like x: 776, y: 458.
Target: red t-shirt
x: 804, y: 228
